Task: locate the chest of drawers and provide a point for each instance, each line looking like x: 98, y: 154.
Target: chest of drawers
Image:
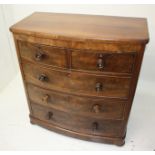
x: 80, y: 72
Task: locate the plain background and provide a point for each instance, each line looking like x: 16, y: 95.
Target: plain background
x: 10, y: 89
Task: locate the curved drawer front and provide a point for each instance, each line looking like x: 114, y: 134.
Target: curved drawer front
x: 103, y: 62
x: 72, y: 104
x: 77, y: 83
x: 77, y: 123
x: 42, y: 54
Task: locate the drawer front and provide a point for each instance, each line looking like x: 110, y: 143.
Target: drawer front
x: 76, y: 122
x: 103, y: 62
x: 42, y: 54
x: 73, y: 104
x: 77, y: 83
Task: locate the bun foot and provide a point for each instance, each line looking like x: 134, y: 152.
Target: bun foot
x: 32, y: 122
x: 120, y: 143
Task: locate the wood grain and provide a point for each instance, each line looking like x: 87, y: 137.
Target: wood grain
x: 107, y: 109
x: 114, y: 62
x: 49, y: 55
x: 80, y: 72
x: 110, y: 128
x: 83, y: 27
x: 75, y: 83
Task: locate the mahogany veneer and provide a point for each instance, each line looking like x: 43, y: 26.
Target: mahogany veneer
x: 80, y: 72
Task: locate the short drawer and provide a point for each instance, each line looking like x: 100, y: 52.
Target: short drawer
x: 77, y: 123
x: 106, y: 109
x: 103, y: 62
x: 77, y: 83
x: 47, y: 55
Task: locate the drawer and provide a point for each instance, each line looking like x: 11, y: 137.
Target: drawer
x: 106, y: 109
x: 42, y: 54
x: 103, y: 62
x: 77, y: 83
x: 77, y: 123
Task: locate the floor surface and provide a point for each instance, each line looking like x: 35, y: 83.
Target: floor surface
x: 16, y: 132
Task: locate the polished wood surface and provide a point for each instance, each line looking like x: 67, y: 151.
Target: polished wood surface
x: 80, y: 124
x: 103, y: 61
x: 75, y: 83
x: 42, y: 54
x: 83, y: 27
x: 80, y: 72
x: 99, y: 108
x: 93, y: 45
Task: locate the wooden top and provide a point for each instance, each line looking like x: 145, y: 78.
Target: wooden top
x: 83, y: 27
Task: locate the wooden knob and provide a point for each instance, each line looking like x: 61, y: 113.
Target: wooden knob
x: 96, y: 108
x: 43, y: 77
x: 100, y: 62
x: 39, y: 56
x: 49, y: 115
x: 98, y: 87
x: 45, y: 98
x: 95, y: 126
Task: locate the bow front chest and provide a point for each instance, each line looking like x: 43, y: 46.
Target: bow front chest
x: 80, y: 72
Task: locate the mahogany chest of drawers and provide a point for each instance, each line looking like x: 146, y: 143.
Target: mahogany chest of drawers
x: 80, y: 72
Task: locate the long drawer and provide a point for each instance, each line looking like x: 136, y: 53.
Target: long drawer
x: 77, y: 83
x: 77, y: 123
x: 107, y: 109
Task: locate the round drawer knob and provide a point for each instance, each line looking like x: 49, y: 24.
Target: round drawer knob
x: 98, y: 87
x: 96, y: 108
x: 43, y: 77
x: 49, y: 115
x: 39, y: 56
x: 45, y: 98
x: 100, y: 62
x: 95, y: 126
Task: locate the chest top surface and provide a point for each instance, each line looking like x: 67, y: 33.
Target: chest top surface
x: 83, y: 27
